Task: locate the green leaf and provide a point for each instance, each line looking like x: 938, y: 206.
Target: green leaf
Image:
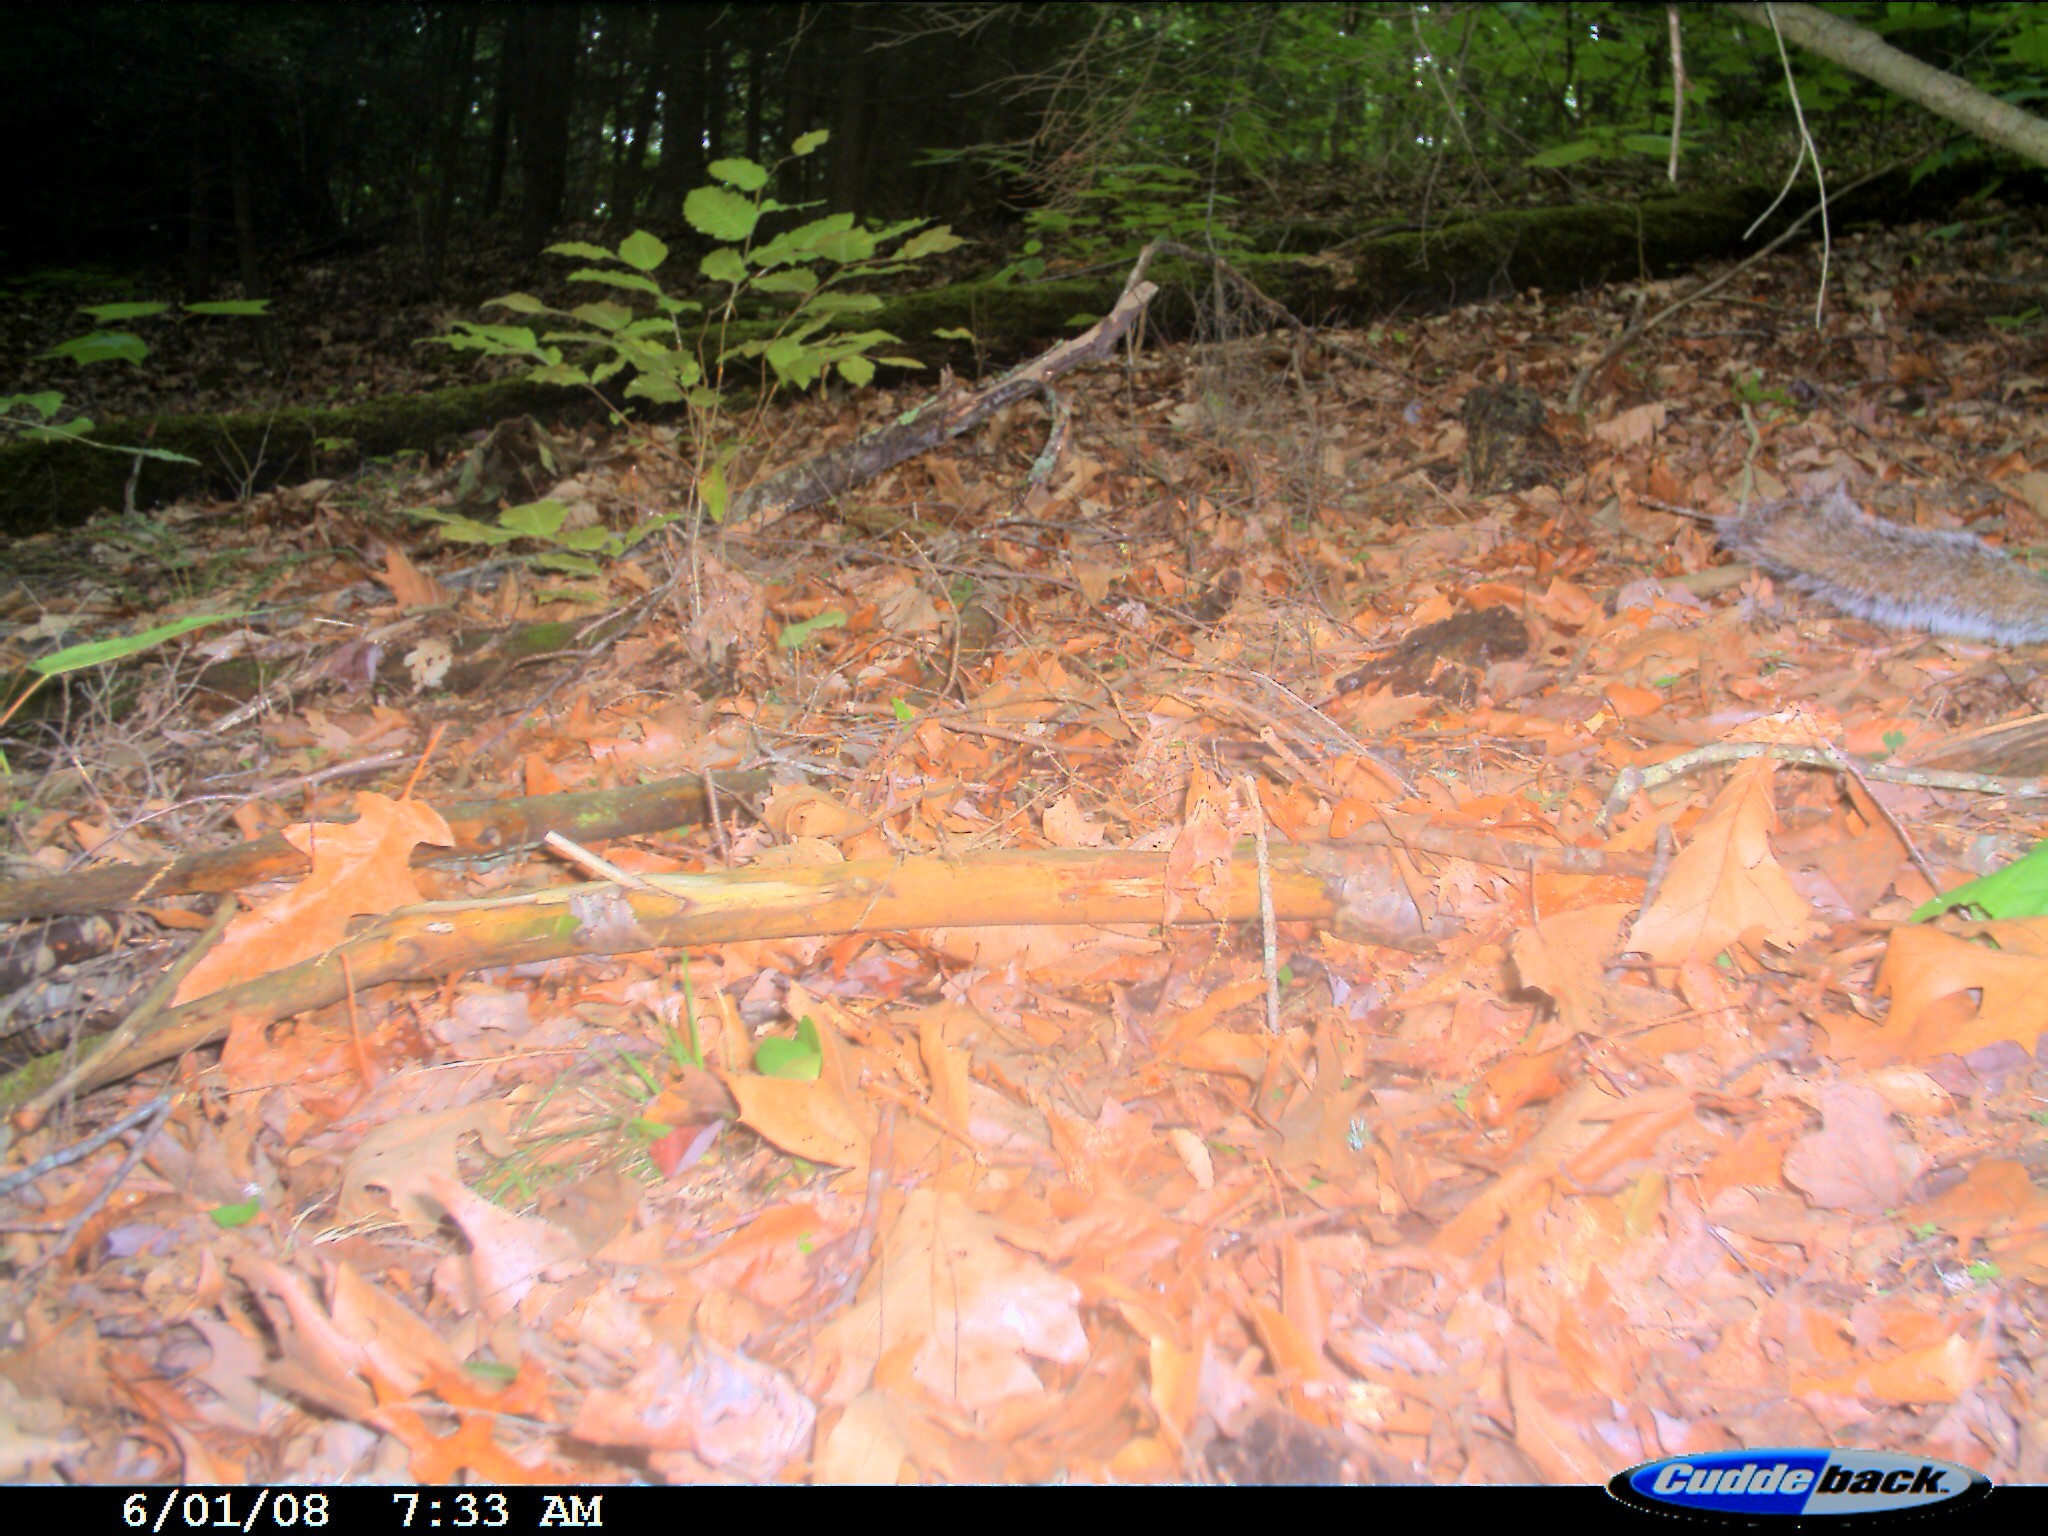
x: 606, y: 317
x: 642, y: 251
x: 720, y: 214
x: 574, y: 565
x: 519, y: 304
x: 516, y: 338
x: 801, y: 243
x: 1566, y: 154
x: 100, y: 347
x: 107, y: 313
x: 96, y: 653
x: 847, y: 245
x: 656, y: 387
x: 724, y: 265
x: 747, y: 175
x: 632, y: 280
x: 857, y: 371
x: 463, y: 530
x: 954, y: 333
x: 236, y: 1215
x: 788, y: 280
x: 230, y: 307
x: 2020, y: 889
x: 809, y: 142
x: 802, y: 1058
x: 581, y: 248
x: 45, y: 403
x: 713, y: 492
x: 931, y: 243
x: 902, y: 711
x: 794, y: 635
x: 535, y: 519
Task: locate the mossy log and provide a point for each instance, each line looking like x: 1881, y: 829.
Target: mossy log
x: 1557, y: 249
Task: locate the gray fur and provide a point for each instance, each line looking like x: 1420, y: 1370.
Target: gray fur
x: 1944, y: 581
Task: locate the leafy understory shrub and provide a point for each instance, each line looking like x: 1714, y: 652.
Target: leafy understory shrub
x: 38, y: 415
x: 677, y: 351
x: 1123, y: 208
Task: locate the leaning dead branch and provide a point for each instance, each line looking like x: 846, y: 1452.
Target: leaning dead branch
x: 837, y: 471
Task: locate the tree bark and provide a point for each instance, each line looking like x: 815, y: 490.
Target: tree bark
x: 1867, y: 54
x: 540, y: 104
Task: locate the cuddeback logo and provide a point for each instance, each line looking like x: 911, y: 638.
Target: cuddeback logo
x: 1741, y: 1486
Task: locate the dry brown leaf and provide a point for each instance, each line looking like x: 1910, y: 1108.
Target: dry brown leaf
x: 1857, y: 1160
x: 403, y: 1155
x: 1725, y: 880
x: 956, y: 1309
x: 730, y: 1412
x: 359, y: 867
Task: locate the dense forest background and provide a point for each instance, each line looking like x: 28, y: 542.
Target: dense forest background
x: 232, y: 140
x: 1005, y: 742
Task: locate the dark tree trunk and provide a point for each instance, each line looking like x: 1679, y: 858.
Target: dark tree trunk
x: 541, y: 94
x: 711, y: 87
x: 632, y: 163
x: 510, y: 42
x: 755, y: 146
x: 456, y: 64
x: 849, y: 183
x: 199, y: 219
x: 677, y: 36
x: 248, y: 248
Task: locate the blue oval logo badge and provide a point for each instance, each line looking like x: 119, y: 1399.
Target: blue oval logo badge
x: 1739, y: 1486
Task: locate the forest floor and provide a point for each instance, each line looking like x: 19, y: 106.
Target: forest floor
x: 1538, y: 1170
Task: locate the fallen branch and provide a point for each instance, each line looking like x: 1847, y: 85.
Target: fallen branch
x: 481, y: 828
x: 833, y: 473
x: 1352, y: 887
x: 1635, y: 778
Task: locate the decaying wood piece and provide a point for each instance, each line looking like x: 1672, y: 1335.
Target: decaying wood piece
x: 1352, y: 886
x: 481, y: 828
x: 835, y: 472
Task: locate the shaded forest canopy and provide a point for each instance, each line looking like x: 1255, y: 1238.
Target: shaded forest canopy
x: 227, y: 139
x: 368, y: 176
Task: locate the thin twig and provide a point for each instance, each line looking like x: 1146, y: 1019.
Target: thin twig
x: 1634, y: 778
x: 160, y: 1108
x: 22, y: 1177
x: 1269, y: 947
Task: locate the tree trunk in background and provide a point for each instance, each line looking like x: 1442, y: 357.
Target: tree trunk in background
x: 543, y: 83
x: 456, y: 64
x: 248, y: 251
x: 757, y: 84
x: 1991, y: 119
x: 848, y: 42
x: 677, y: 34
x: 632, y: 168
x: 711, y: 84
x: 509, y: 45
x: 198, y: 218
